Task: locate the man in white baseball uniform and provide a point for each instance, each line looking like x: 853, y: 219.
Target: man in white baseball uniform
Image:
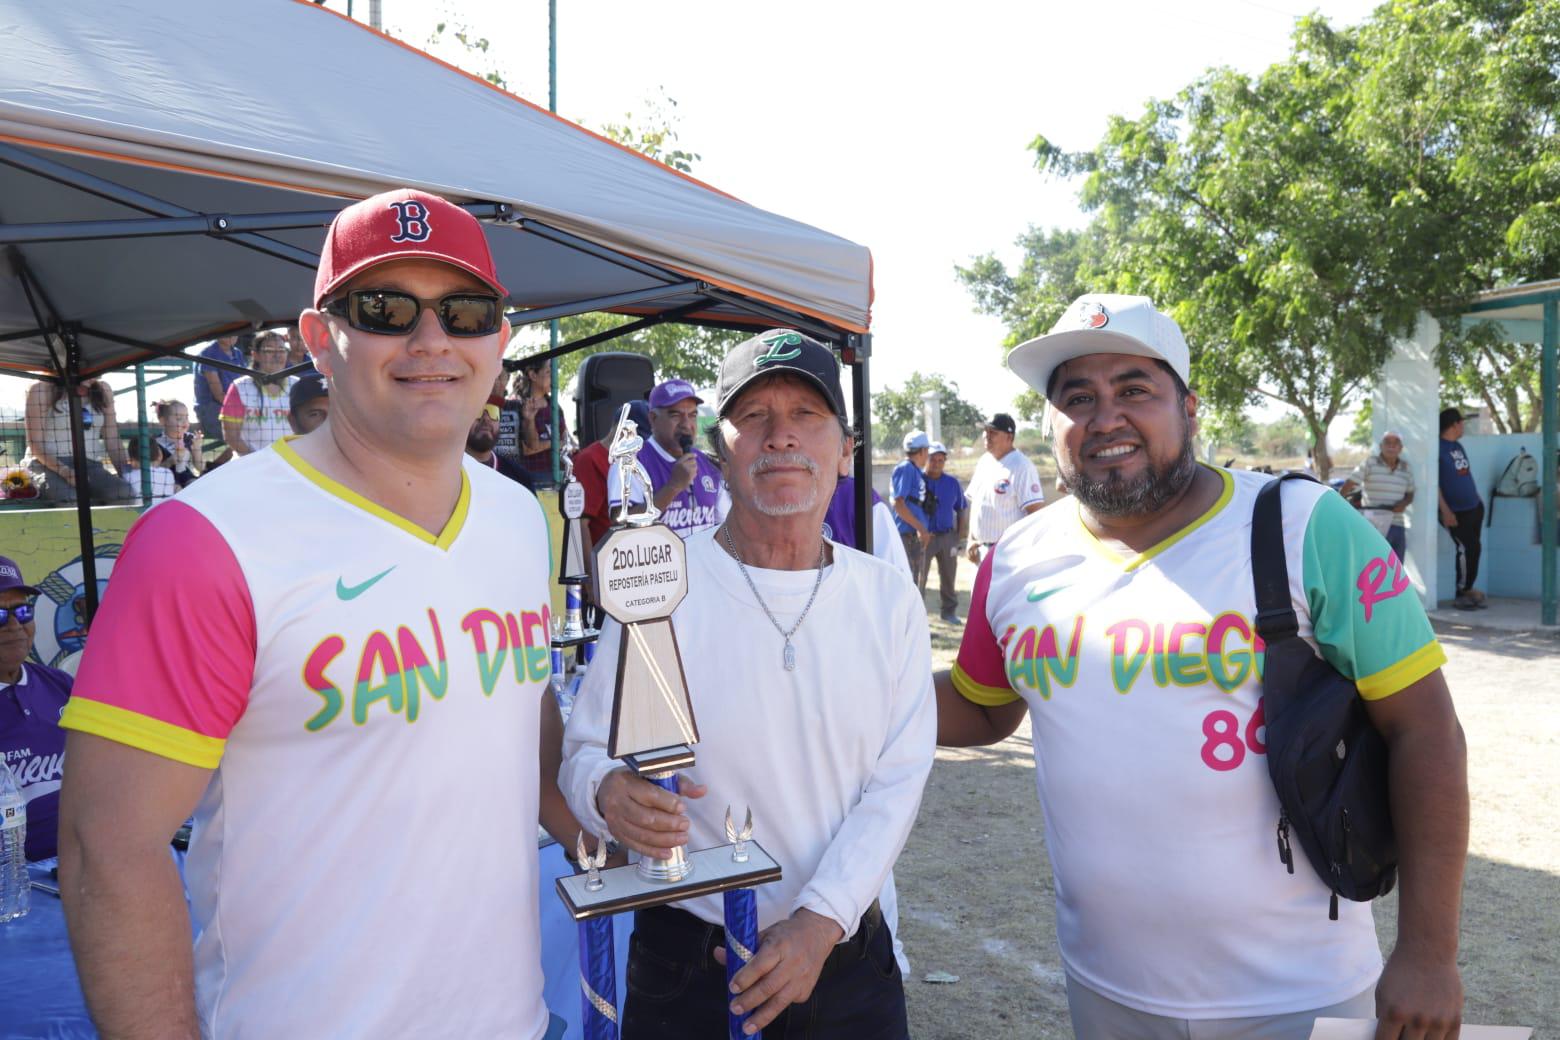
x: 1003, y: 487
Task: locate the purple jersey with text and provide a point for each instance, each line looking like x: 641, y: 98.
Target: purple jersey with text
x: 698, y: 506
x: 33, y: 745
x: 839, y: 523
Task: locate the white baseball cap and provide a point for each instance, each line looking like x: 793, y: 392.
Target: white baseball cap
x: 938, y: 448
x: 1102, y: 323
x: 915, y: 440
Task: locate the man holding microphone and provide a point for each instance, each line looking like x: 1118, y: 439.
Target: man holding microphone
x: 687, y: 484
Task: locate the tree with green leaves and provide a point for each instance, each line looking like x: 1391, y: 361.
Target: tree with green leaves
x: 897, y: 412
x: 1295, y: 222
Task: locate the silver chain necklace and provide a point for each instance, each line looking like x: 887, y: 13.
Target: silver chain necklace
x: 788, y: 656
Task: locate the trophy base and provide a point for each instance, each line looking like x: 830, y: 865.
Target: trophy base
x: 660, y: 760
x: 713, y: 870
x: 563, y: 642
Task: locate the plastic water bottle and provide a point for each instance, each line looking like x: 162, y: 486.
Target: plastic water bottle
x: 559, y: 682
x: 15, y: 888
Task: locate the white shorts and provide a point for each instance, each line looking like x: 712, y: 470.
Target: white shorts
x: 1097, y: 1017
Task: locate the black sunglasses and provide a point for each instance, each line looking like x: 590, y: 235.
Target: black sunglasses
x: 23, y: 612
x: 390, y: 312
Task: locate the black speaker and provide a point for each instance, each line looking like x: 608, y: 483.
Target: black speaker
x: 606, y: 382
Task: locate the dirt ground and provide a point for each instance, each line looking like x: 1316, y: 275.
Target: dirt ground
x: 975, y: 888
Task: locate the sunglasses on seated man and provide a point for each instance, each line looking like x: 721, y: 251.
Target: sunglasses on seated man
x: 23, y: 612
x: 390, y: 312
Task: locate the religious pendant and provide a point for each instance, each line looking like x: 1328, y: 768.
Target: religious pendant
x: 790, y: 656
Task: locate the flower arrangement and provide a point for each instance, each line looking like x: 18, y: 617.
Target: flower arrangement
x: 18, y: 483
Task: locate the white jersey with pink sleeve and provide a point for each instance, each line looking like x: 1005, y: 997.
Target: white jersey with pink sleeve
x: 363, y: 862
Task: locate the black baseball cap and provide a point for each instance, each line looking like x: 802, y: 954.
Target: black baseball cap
x: 1002, y: 422
x: 779, y: 350
x: 306, y: 389
x: 1450, y: 417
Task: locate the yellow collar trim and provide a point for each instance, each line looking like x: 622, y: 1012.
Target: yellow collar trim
x: 443, y: 540
x: 1133, y: 562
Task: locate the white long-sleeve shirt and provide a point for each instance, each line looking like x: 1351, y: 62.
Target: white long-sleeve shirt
x: 831, y: 757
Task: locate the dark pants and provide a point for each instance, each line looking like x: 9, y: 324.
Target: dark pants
x: 677, y: 991
x: 944, y: 552
x: 1397, y: 539
x: 1465, y: 537
x: 915, y: 554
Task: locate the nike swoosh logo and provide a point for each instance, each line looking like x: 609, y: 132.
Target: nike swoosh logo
x: 1036, y: 597
x: 346, y: 592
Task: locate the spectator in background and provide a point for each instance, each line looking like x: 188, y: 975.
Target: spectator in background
x: 949, y: 518
x: 31, y: 699
x: 178, y: 442
x: 591, y: 469
x: 1462, y: 510
x: 1387, y: 486
x: 308, y: 404
x: 254, y: 414
x: 907, y: 496
x: 211, y: 387
x: 686, y: 483
x: 1003, y: 487
x: 536, y: 420
x: 297, y: 351
x: 49, y: 457
x: 479, y: 445
x: 163, y: 484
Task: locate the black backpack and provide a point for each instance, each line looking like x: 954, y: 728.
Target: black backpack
x: 1327, y: 761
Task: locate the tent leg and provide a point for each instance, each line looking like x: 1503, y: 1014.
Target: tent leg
x: 78, y: 452
x: 1548, y: 388
x: 861, y: 404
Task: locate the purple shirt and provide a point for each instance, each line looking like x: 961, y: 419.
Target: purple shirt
x: 839, y: 523
x: 698, y: 505
x: 33, y: 745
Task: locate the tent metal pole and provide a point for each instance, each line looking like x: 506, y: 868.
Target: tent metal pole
x: 143, y: 440
x: 537, y: 315
x: 563, y: 238
x: 779, y: 316
x: 78, y: 453
x: 603, y: 337
x: 217, y: 225
x: 860, y: 353
x: 103, y: 188
x: 169, y: 352
x: 27, y: 334
x: 1549, y: 387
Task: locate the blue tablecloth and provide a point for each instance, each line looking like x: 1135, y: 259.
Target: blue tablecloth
x: 40, y: 997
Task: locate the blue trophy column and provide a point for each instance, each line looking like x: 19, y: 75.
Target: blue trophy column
x: 598, y: 980
x: 741, y: 943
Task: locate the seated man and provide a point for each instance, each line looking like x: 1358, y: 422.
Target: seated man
x: 807, y: 666
x: 31, y: 699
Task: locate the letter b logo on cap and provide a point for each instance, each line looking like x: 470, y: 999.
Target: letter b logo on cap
x: 411, y: 218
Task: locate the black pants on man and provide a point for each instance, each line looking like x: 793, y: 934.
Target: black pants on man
x: 1465, y: 538
x: 677, y: 991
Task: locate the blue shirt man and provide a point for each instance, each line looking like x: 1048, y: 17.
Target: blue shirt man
x: 211, y: 385
x: 907, y: 497
x: 1462, y: 510
x: 948, y: 513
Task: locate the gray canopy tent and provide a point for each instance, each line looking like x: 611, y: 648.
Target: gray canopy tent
x: 154, y: 194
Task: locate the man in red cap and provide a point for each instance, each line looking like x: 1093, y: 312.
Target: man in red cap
x: 348, y: 704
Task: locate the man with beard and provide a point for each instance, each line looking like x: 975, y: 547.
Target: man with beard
x: 1122, y: 624
x: 480, y: 442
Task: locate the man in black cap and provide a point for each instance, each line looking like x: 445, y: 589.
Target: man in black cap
x: 808, y: 666
x: 1462, y: 510
x: 1003, y: 487
x: 308, y: 403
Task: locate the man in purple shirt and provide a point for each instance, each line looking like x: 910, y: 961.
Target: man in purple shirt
x: 687, y: 484
x: 31, y: 699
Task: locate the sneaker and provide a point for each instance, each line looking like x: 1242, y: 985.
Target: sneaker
x: 952, y: 619
x: 1465, y: 602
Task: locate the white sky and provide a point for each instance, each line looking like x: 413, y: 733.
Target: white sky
x: 900, y: 127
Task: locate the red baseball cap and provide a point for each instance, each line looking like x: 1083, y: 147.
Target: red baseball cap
x: 404, y: 224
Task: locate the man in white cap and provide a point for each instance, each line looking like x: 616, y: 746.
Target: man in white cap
x: 907, y: 497
x: 1123, y: 626
x: 1003, y: 488
x: 348, y: 704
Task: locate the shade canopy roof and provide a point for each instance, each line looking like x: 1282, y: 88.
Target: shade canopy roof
x: 156, y: 191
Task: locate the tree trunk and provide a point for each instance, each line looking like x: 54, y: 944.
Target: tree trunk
x: 1320, y: 457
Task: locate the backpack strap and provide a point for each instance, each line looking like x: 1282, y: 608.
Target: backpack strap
x: 1276, y: 620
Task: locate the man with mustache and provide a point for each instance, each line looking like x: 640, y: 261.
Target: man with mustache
x: 802, y: 661
x: 1123, y: 625
x: 687, y: 484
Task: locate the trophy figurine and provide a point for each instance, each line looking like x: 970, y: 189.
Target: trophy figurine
x: 639, y: 578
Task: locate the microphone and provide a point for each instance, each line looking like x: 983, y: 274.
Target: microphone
x: 685, y: 442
